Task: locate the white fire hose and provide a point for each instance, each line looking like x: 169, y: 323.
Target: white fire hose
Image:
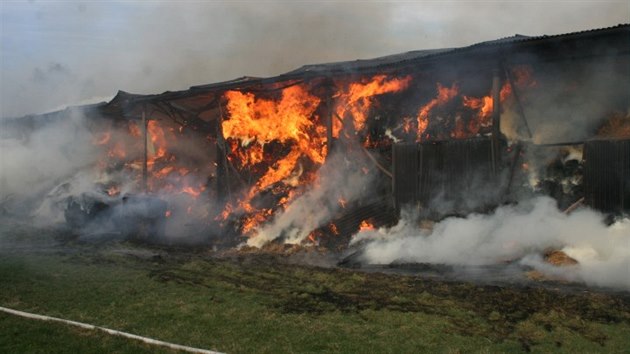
x: 107, y: 330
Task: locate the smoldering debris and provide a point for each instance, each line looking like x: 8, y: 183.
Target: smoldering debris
x: 514, y: 233
x: 66, y: 170
x: 35, y: 161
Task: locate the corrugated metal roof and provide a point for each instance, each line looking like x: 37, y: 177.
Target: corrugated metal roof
x: 357, y: 66
x: 420, y: 55
x: 240, y: 80
x: 392, y: 59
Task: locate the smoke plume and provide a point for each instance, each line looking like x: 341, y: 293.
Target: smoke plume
x: 340, y: 177
x: 512, y: 233
x: 35, y: 161
x: 60, y: 53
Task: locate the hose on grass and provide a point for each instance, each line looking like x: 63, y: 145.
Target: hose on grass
x: 107, y: 330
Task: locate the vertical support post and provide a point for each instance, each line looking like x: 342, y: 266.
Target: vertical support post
x: 519, y: 105
x: 145, y: 161
x: 623, y: 149
x: 329, y: 124
x: 329, y: 115
x: 223, y: 183
x: 496, y: 118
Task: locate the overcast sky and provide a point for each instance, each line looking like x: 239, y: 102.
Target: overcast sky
x: 57, y: 53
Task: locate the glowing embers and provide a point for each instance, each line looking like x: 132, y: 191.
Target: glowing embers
x: 366, y: 225
x: 616, y: 126
x: 167, y: 173
x: 172, y: 172
x: 102, y: 138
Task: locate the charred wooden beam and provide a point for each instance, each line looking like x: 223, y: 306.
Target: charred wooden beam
x: 405, y: 183
x: 267, y: 89
x: 496, y: 118
x: 212, y: 104
x: 515, y: 161
x: 376, y: 163
x: 569, y: 143
x: 170, y: 112
x: 329, y: 123
x: 519, y: 105
x: 188, y: 118
x: 145, y: 162
x: 223, y: 183
x: 574, y: 206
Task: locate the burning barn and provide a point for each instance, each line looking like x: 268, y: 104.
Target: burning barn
x: 318, y: 153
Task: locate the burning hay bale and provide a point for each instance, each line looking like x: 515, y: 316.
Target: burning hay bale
x: 617, y: 127
x: 555, y: 258
x: 559, y: 259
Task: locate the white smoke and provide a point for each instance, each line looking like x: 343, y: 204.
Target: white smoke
x: 516, y: 232
x: 580, y: 100
x: 35, y: 161
x: 340, y: 177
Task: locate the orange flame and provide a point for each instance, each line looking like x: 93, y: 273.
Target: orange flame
x: 358, y: 98
x: 117, y: 151
x: 445, y: 94
x: 113, y: 191
x: 102, y: 138
x: 164, y: 172
x: 407, y: 125
x: 484, y: 107
x: 158, y: 139
x: 266, y: 120
x: 366, y: 225
x: 291, y: 121
x: 194, y: 192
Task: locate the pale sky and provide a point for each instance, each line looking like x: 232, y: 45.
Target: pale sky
x: 58, y: 53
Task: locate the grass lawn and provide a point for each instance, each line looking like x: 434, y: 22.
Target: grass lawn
x: 258, y: 303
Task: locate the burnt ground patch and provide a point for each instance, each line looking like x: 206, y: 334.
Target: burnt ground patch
x: 497, y: 313
x: 263, y: 287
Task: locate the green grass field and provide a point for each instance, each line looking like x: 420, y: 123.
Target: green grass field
x: 259, y: 303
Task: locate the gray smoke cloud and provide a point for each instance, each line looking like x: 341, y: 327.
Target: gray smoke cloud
x: 61, y: 53
x: 55, y: 171
x: 563, y: 105
x: 35, y: 161
x: 512, y: 233
x: 340, y: 177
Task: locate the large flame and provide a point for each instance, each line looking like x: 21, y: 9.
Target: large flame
x: 470, y: 115
x: 355, y: 100
x: 290, y: 121
x: 444, y: 95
